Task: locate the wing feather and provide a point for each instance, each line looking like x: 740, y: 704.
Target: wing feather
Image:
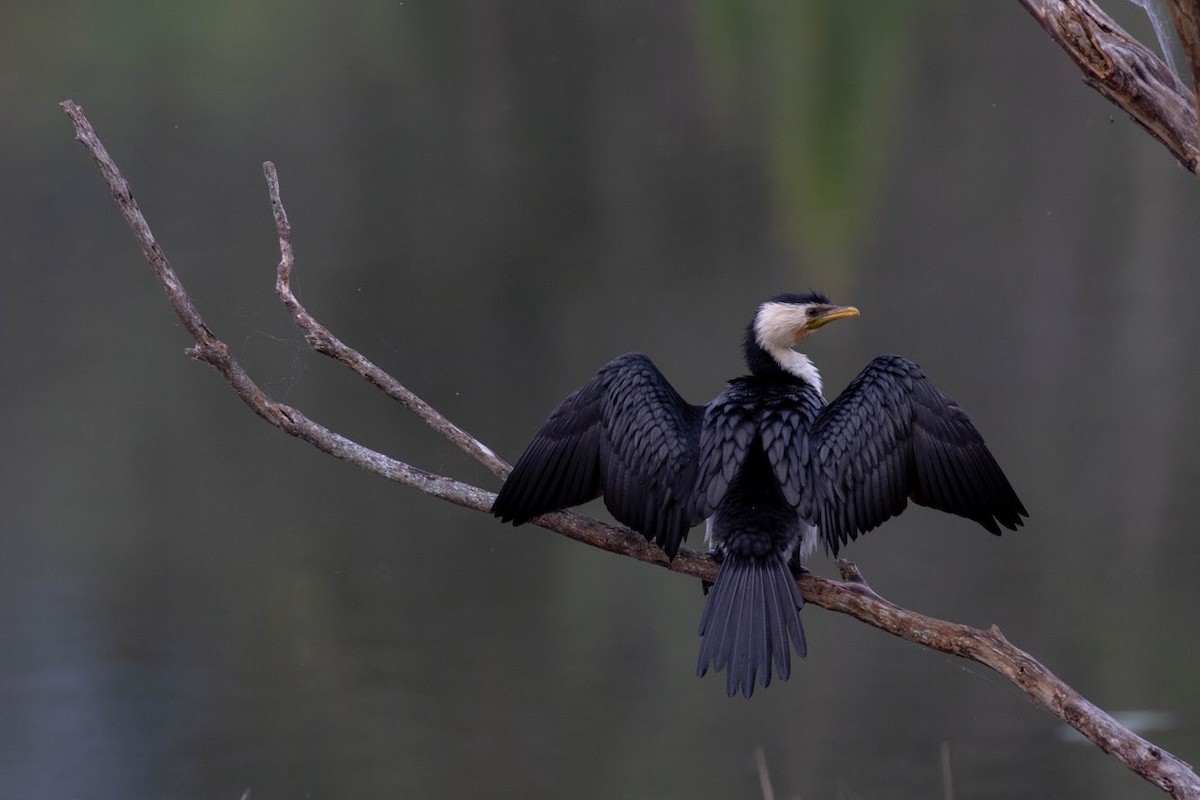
x: 627, y: 435
x: 891, y: 436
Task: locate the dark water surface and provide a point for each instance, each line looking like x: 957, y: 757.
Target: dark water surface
x: 490, y: 200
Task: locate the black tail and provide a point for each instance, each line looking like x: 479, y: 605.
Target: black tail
x: 752, y: 611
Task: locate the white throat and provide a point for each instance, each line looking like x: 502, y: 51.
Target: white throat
x: 799, y: 365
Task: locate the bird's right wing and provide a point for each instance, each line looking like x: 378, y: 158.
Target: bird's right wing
x: 626, y: 434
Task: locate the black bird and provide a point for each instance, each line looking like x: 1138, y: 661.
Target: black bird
x: 770, y: 466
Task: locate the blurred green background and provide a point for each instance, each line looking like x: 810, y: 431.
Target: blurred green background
x: 490, y: 200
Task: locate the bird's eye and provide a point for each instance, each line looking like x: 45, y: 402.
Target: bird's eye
x: 812, y: 311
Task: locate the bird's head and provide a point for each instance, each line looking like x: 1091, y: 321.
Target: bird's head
x: 783, y: 322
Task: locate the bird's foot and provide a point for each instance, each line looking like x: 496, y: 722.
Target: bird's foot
x: 717, y: 556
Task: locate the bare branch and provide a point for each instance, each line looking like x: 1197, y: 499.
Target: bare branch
x: 850, y: 596
x: 1123, y: 70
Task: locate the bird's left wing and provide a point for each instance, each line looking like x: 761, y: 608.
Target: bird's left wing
x: 626, y: 434
x: 892, y: 436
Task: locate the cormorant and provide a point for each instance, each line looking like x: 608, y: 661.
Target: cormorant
x: 770, y: 466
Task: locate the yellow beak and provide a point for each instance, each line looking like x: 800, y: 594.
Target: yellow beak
x: 834, y: 312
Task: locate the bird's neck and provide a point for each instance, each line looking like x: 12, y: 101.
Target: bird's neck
x: 781, y: 364
x: 798, y: 365
x: 769, y: 357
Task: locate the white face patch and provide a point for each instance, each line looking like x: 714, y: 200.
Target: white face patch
x: 779, y: 327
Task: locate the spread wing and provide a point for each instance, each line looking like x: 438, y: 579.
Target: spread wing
x: 626, y: 434
x: 891, y: 436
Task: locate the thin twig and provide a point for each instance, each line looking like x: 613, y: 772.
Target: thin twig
x: 851, y: 596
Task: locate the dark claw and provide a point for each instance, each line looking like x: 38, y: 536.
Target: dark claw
x: 798, y: 569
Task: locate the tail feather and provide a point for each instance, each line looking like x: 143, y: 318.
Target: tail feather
x: 779, y: 617
x: 723, y: 619
x: 751, y: 621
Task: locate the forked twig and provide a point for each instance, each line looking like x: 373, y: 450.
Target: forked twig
x: 851, y: 596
